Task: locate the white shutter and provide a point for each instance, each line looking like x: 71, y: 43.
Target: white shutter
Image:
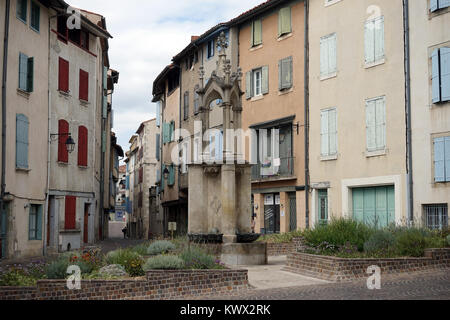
x: 439, y: 160
x: 370, y: 125
x: 379, y: 38
x: 369, y: 40
x: 248, y: 85
x: 275, y: 149
x: 323, y: 57
x: 332, y: 54
x: 265, y: 80
x: 380, y: 118
x: 445, y: 73
x: 324, y: 133
x: 433, y: 5
x: 332, y: 132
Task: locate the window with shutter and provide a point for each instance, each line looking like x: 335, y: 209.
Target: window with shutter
x: 70, y: 213
x: 284, y: 21
x: 35, y: 16
x: 63, y: 77
x: 84, y: 85
x: 256, y: 32
x: 23, y: 72
x: 374, y: 40
x: 63, y: 132
x: 439, y: 160
x: 285, y: 73
x: 248, y: 85
x: 376, y: 124
x: 445, y: 73
x: 35, y: 222
x: 21, y: 10
x: 163, y: 167
x: 328, y: 55
x: 82, y: 146
x: 328, y: 132
x: 435, y: 76
x: 22, y: 126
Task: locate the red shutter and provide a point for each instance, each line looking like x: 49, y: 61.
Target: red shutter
x: 141, y: 175
x: 70, y: 213
x: 82, y: 146
x: 63, y: 131
x: 84, y: 85
x: 63, y: 83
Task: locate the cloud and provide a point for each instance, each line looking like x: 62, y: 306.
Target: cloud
x: 147, y: 34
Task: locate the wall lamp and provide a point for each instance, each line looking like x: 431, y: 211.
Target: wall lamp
x: 70, y: 143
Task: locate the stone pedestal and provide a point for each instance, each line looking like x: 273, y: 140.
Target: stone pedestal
x: 249, y: 254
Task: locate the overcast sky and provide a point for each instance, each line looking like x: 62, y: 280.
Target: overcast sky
x: 147, y: 34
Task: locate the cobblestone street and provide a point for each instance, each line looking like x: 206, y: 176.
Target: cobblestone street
x: 426, y: 286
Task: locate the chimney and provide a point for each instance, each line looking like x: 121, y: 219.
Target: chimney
x: 193, y: 38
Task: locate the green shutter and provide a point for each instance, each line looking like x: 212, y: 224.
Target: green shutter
x: 265, y: 80
x: 256, y: 32
x: 162, y: 177
x: 39, y: 223
x: 248, y: 85
x: 30, y: 74
x: 390, y: 205
x: 358, y: 204
x: 284, y: 21
x: 31, y: 224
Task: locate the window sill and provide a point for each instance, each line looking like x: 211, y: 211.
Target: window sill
x: 35, y: 30
x: 257, y: 47
x: 84, y: 103
x: 285, y: 91
x: 374, y: 64
x: 330, y: 3
x: 432, y: 15
x: 23, y: 93
x: 70, y: 231
x: 329, y: 158
x: 25, y: 170
x: 65, y: 164
x: 83, y: 167
x: 284, y: 36
x: 64, y: 93
x: 257, y: 98
x: 376, y: 153
x: 20, y: 19
x: 328, y: 76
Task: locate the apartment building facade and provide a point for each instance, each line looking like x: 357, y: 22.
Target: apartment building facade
x: 271, y: 56
x: 429, y: 39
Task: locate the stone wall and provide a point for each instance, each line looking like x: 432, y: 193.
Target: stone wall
x: 284, y: 249
x: 157, y: 285
x: 343, y: 269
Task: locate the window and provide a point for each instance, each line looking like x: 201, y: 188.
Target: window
x: 256, y: 37
x: 323, y: 207
x: 284, y: 21
x: 328, y: 55
x: 22, y: 143
x: 70, y: 213
x: 26, y: 73
x: 168, y: 132
x: 196, y: 100
x: 436, y: 216
x: 436, y: 5
x: 35, y: 222
x: 63, y: 76
x: 376, y: 124
x: 21, y: 10
x: 84, y: 40
x: 35, y: 16
x: 374, y: 206
x: 84, y: 85
x: 442, y: 159
x: 257, y: 82
x: 82, y: 146
x: 210, y: 49
x: 186, y: 105
x: 374, y: 40
x: 328, y: 132
x: 63, y: 131
x: 62, y: 28
x: 285, y: 73
x: 440, y: 60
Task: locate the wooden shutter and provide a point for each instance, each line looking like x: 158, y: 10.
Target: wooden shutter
x: 433, y: 5
x: 439, y: 160
x: 63, y: 131
x: 265, y: 80
x: 39, y: 223
x: 23, y: 72
x: 256, y: 32
x: 324, y: 56
x: 358, y: 204
x: 158, y: 146
x: 447, y: 158
x: 332, y: 131
x: 444, y: 4
x: 70, y: 213
x: 63, y: 79
x: 285, y: 73
x: 380, y: 122
x: 163, y: 167
x: 248, y: 85
x: 369, y: 41
x: 370, y: 125
x: 30, y: 74
x: 379, y: 38
x: 332, y: 57
x: 435, y: 76
x: 284, y: 21
x: 324, y: 133
x: 22, y: 141
x: 84, y: 85
x: 82, y: 146
x: 445, y: 73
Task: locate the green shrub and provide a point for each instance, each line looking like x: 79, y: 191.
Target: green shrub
x: 164, y: 262
x: 16, y: 278
x: 129, y: 259
x: 58, y: 269
x: 160, y: 247
x: 379, y: 242
x: 141, y: 249
x: 338, y: 233
x: 411, y: 243
x: 196, y: 258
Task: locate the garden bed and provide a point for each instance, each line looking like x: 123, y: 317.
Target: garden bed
x: 347, y: 269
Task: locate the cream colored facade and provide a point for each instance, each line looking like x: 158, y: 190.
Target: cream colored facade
x: 428, y: 31
x: 348, y: 89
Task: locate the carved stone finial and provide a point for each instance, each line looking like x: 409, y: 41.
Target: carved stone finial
x: 222, y: 42
x: 201, y: 74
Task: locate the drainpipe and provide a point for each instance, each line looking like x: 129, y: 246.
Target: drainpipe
x: 409, y: 164
x: 102, y: 162
x: 4, y: 76
x: 306, y: 93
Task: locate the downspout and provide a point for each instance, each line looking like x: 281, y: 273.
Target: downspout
x: 102, y: 162
x: 409, y: 164
x: 306, y: 93
x: 4, y: 76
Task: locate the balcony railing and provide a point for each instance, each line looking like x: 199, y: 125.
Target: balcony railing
x: 270, y: 170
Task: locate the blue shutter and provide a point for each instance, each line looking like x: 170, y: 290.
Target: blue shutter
x: 39, y: 223
x: 358, y: 204
x: 439, y: 160
x: 22, y: 141
x: 435, y: 78
x: 445, y: 73
x: 444, y: 4
x: 433, y: 5
x: 447, y: 158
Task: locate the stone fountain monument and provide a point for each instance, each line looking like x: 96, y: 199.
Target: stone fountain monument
x: 220, y: 194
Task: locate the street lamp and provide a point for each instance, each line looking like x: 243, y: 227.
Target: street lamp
x: 166, y: 173
x: 70, y: 143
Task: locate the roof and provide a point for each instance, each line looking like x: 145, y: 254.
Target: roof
x: 157, y: 88
x: 267, y: 5
x: 143, y: 124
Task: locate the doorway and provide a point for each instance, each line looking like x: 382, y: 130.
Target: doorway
x: 86, y: 223
x: 272, y: 213
x: 292, y: 212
